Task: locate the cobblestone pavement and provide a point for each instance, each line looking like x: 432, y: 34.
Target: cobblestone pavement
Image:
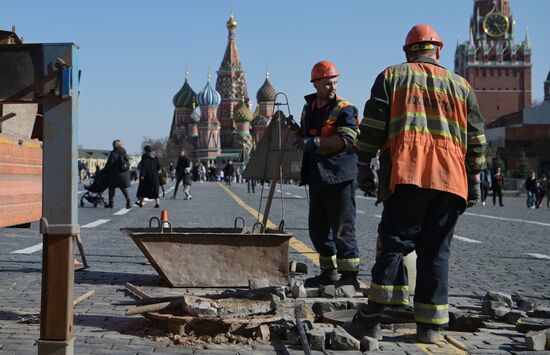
x: 495, y: 248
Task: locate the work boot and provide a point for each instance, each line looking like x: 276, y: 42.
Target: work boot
x: 348, y: 280
x: 366, y: 322
x: 430, y: 334
x: 326, y: 277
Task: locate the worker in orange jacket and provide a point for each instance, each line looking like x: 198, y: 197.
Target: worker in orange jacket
x: 425, y: 121
x: 328, y: 128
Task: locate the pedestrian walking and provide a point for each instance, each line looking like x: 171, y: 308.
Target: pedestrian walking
x: 171, y: 171
x: 531, y: 189
x: 327, y: 130
x: 545, y: 186
x: 426, y: 121
x: 149, y: 179
x: 485, y: 186
x: 181, y: 165
x: 228, y: 172
x: 497, y: 187
x: 118, y: 169
x: 163, y: 180
x: 251, y: 185
x: 187, y: 179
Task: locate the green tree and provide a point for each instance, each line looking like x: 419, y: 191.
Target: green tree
x: 523, y: 169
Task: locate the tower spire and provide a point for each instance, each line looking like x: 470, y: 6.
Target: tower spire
x: 527, y: 42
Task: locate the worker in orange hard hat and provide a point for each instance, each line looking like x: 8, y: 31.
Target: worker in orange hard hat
x: 426, y: 122
x: 328, y: 129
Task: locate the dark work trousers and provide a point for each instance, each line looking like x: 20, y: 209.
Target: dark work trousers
x: 497, y: 192
x: 124, y: 192
x: 332, y: 221
x: 422, y: 220
x: 178, y: 180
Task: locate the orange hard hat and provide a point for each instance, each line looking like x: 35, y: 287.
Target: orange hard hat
x: 421, y: 34
x: 323, y: 69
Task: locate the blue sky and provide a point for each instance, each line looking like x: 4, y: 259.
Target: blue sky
x: 133, y: 54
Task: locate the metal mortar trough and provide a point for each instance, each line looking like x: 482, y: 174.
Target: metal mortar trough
x: 214, y: 257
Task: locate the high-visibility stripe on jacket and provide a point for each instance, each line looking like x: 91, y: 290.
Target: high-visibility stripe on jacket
x: 426, y: 122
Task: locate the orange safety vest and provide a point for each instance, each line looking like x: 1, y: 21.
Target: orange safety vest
x: 427, y: 130
x: 328, y: 127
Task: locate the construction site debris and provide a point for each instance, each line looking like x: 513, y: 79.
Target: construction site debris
x: 258, y: 293
x: 538, y: 340
x: 527, y: 324
x: 495, y: 309
x: 342, y: 340
x: 83, y: 296
x: 515, y: 315
x: 465, y: 321
x: 258, y: 283
x: 298, y: 290
x: 304, y: 312
x: 368, y: 344
x: 499, y: 296
x: 226, y: 307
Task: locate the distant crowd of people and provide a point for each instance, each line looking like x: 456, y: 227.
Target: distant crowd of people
x: 536, y: 189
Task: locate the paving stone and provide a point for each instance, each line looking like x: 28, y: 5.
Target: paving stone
x: 317, y: 339
x: 369, y: 344
x: 298, y: 290
x: 322, y: 307
x: 514, y: 315
x: 465, y: 321
x: 499, y: 296
x: 342, y: 340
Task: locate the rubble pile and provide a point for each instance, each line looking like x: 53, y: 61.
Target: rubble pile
x: 530, y: 316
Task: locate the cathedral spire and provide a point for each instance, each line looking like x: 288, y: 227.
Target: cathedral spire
x: 231, y: 59
x: 527, y: 42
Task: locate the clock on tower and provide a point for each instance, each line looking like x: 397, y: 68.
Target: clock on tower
x: 496, y: 65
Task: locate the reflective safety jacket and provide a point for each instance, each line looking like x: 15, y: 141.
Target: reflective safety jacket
x: 341, y: 118
x: 426, y: 122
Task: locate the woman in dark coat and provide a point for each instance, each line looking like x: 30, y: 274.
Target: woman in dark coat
x: 118, y: 169
x: 149, y: 177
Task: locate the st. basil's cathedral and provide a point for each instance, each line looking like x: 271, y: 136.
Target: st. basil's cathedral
x: 217, y: 124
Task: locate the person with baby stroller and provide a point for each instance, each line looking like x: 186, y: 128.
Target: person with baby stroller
x: 118, y: 170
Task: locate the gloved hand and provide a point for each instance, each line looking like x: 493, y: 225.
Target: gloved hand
x: 474, y: 190
x: 365, y: 178
x: 307, y: 144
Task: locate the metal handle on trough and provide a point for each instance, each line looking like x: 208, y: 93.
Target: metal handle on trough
x: 151, y: 221
x: 282, y: 225
x: 162, y: 226
x: 258, y: 224
x: 239, y: 219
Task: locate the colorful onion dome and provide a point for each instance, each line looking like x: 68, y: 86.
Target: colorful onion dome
x: 267, y: 92
x: 208, y: 96
x: 243, y: 113
x: 185, y: 96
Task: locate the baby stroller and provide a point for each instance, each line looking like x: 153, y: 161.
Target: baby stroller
x: 94, y: 191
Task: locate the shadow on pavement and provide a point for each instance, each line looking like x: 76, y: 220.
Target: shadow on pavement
x: 92, y: 277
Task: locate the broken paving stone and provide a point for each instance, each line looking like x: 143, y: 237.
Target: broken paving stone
x: 540, y: 311
x: 328, y: 291
x: 258, y: 283
x: 465, y: 322
x: 495, y: 309
x: 317, y: 339
x: 369, y: 344
x: 320, y: 308
x: 346, y: 291
x: 298, y: 290
x: 514, y: 315
x: 342, y: 340
x: 527, y: 324
x: 499, y: 296
x: 292, y: 336
x: 304, y: 312
x: 538, y: 340
x: 228, y: 307
x: 262, y: 332
x: 312, y: 292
